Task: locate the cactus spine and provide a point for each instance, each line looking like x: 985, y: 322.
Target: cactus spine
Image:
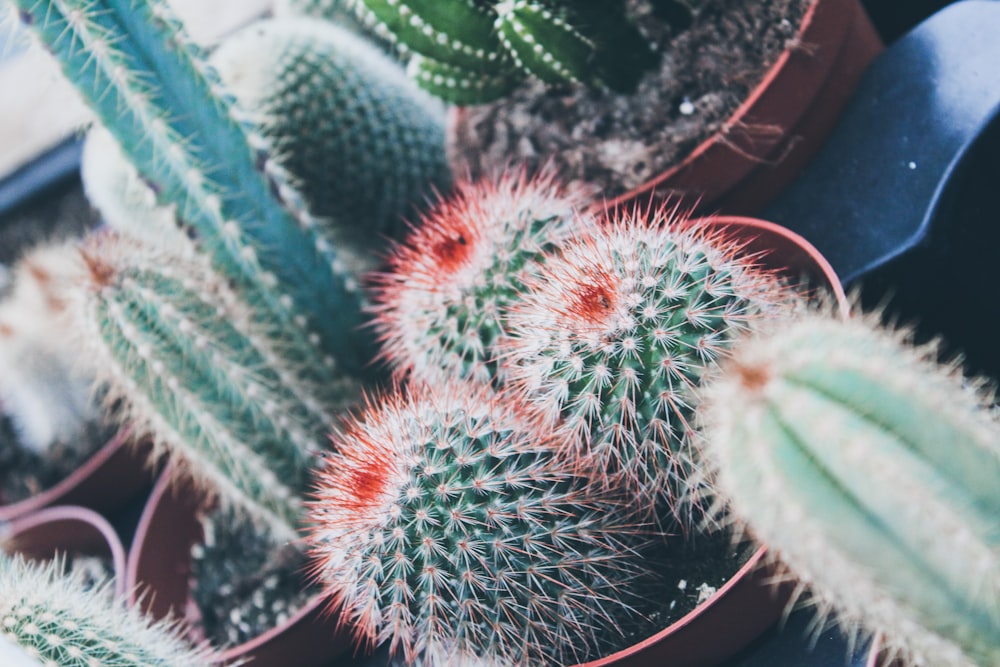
x: 444, y: 524
x: 54, y: 620
x: 440, y: 308
x: 872, y: 472
x: 199, y: 151
x: 474, y: 51
x: 190, y: 366
x: 612, y: 336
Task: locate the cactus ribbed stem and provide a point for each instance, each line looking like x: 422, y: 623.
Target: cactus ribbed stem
x: 871, y: 471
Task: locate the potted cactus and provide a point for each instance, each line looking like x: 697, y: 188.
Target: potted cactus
x: 719, y: 102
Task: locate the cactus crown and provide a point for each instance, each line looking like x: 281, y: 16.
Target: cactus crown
x: 56, y: 620
x: 444, y: 523
x: 611, y: 337
x: 871, y: 472
x: 474, y: 51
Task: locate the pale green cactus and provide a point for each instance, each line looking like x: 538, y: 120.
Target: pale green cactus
x: 873, y: 473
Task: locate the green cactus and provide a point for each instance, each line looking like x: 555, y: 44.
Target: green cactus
x: 611, y: 338
x: 873, y: 473
x: 199, y: 151
x: 53, y: 620
x: 444, y: 525
x: 440, y: 306
x: 188, y: 364
x: 474, y: 51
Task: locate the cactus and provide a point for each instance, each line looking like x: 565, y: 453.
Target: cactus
x: 444, y: 524
x: 475, y: 51
x: 50, y: 619
x: 42, y: 388
x: 199, y: 151
x: 873, y: 473
x: 440, y: 306
x: 611, y: 337
x: 362, y: 141
x: 189, y: 365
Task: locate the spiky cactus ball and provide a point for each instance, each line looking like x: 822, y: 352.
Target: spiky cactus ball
x: 612, y: 336
x: 444, y: 523
x: 873, y: 473
x: 53, y: 620
x: 440, y: 307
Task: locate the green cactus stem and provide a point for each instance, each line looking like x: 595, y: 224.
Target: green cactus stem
x: 873, y: 473
x: 186, y: 363
x: 199, y: 151
x: 50, y: 619
x: 440, y: 307
x: 444, y: 525
x: 611, y: 338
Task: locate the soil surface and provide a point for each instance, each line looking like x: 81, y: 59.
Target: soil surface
x: 618, y: 142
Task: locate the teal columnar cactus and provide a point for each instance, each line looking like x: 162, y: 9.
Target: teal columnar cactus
x: 474, y: 51
x: 611, y: 338
x: 362, y: 142
x: 199, y: 151
x: 444, y: 525
x: 873, y: 473
x: 440, y: 306
x: 186, y: 362
x: 49, y: 619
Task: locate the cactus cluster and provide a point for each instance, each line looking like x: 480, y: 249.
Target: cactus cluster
x: 48, y: 618
x: 871, y: 471
x: 446, y: 526
x: 475, y: 51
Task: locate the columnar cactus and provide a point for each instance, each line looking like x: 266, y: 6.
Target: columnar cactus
x: 440, y: 307
x: 872, y: 472
x: 363, y: 143
x: 611, y: 337
x: 202, y: 153
x: 49, y: 619
x: 474, y: 51
x: 189, y: 365
x: 443, y: 523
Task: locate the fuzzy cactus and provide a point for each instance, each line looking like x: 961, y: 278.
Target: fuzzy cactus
x: 49, y: 619
x: 202, y: 153
x: 611, y: 338
x: 445, y: 525
x: 364, y: 144
x: 440, y: 306
x: 186, y: 362
x: 43, y: 388
x: 873, y: 473
x: 474, y: 51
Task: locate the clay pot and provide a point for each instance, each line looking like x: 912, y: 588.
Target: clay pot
x: 116, y: 474
x: 799, y: 100
x: 158, y: 579
x: 66, y: 529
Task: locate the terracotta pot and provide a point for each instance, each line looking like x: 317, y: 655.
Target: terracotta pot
x: 66, y: 529
x: 798, y: 100
x: 158, y: 579
x: 116, y: 474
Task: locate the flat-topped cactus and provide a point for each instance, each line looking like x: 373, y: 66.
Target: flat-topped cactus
x: 872, y: 472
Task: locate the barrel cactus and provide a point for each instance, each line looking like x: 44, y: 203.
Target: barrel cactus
x: 611, y: 338
x: 873, y: 473
x: 440, y: 307
x: 49, y: 619
x: 445, y: 526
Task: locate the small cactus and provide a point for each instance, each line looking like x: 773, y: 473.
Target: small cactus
x: 873, y: 473
x: 443, y: 523
x: 188, y: 365
x: 49, y: 619
x: 440, y: 306
x: 474, y: 51
x: 611, y: 338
